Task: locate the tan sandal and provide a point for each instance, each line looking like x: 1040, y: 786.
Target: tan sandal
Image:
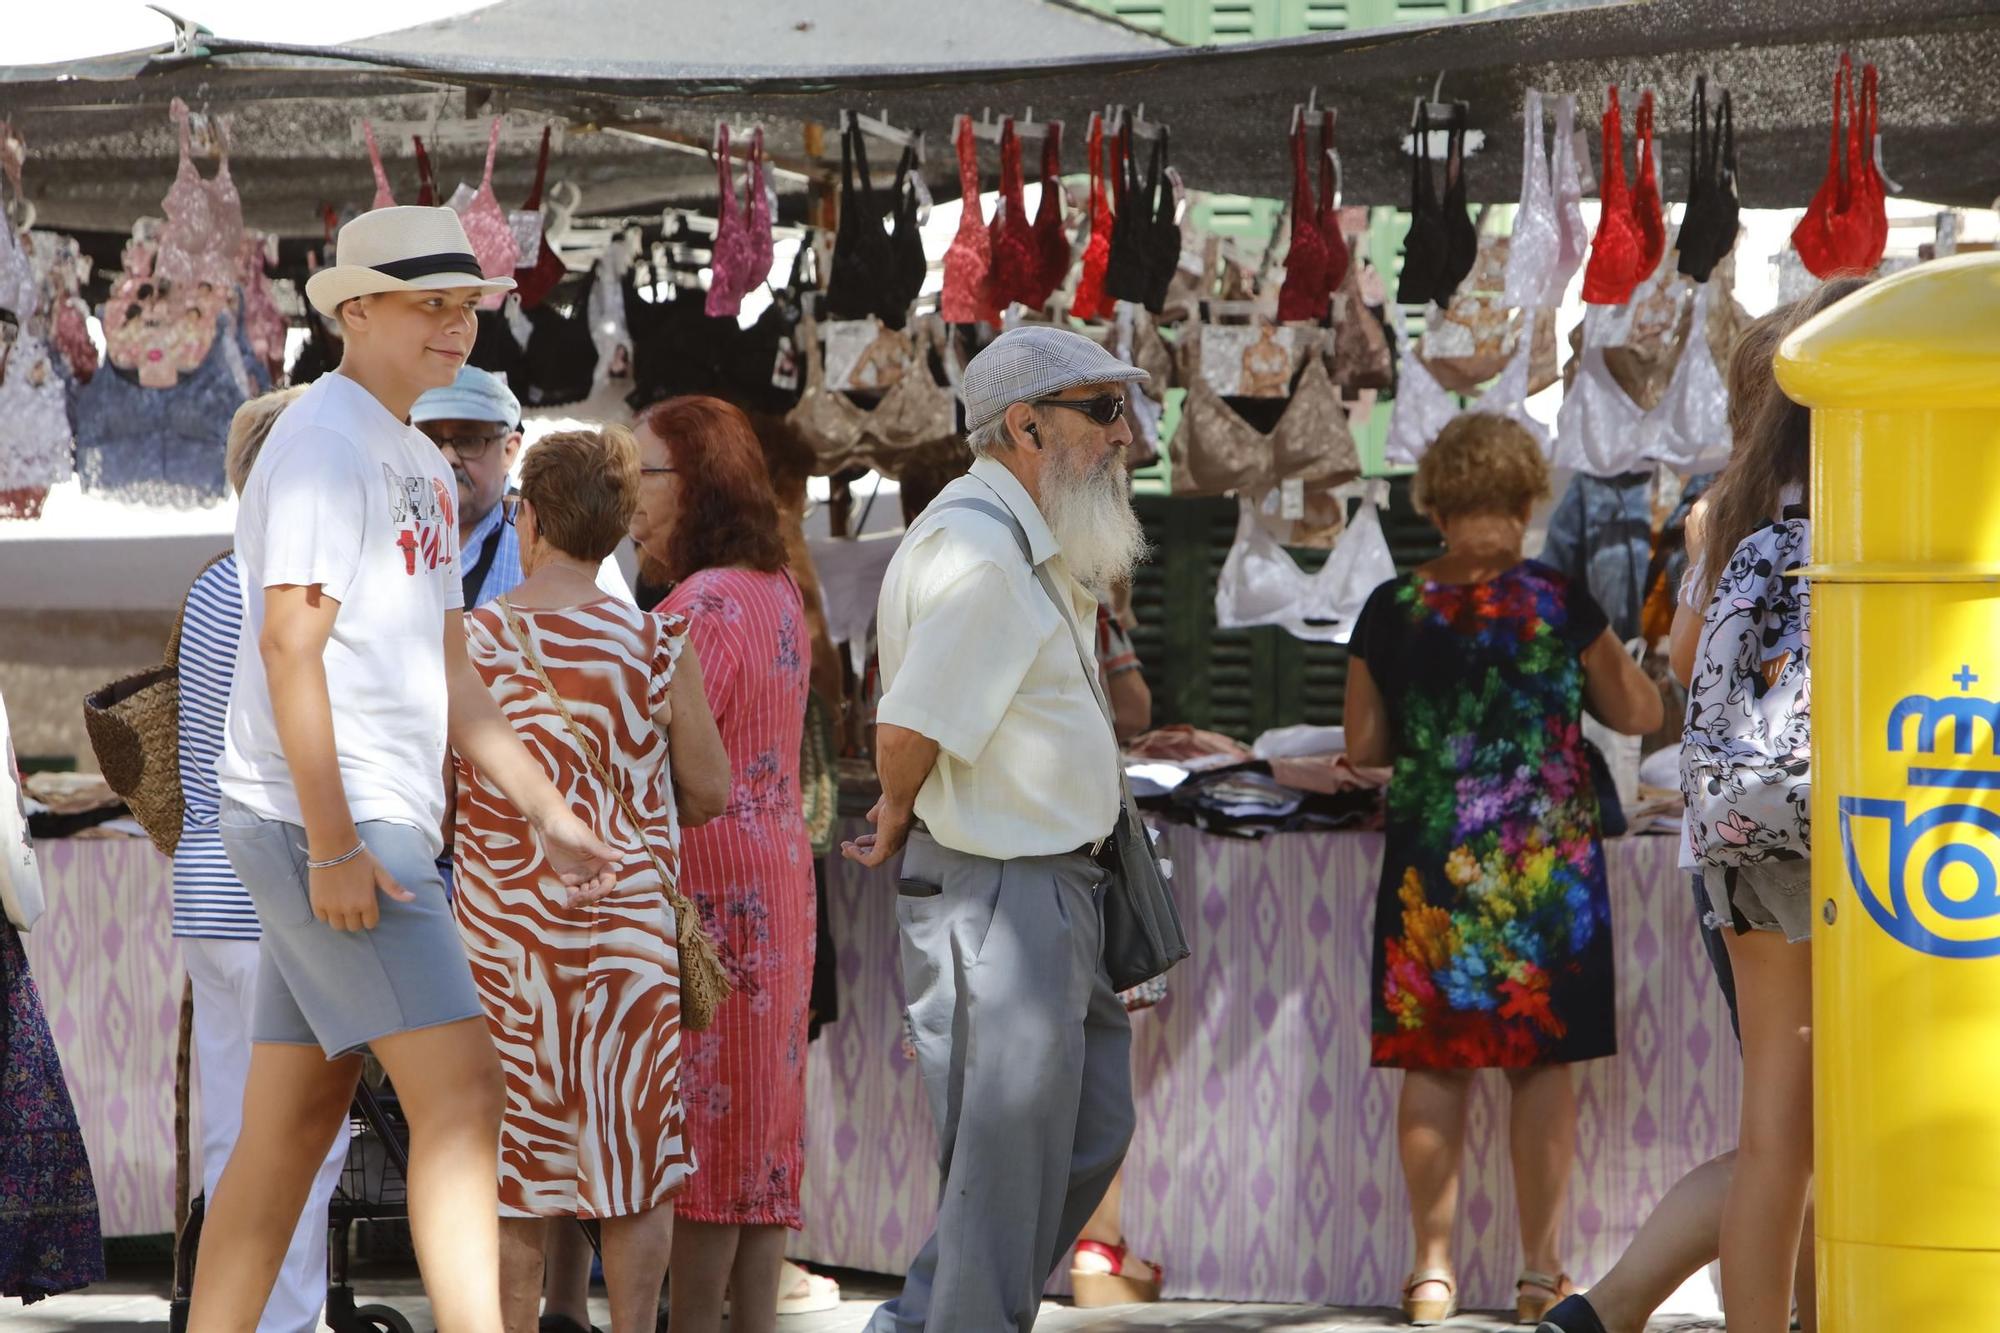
x: 1095, y: 1291
x: 1535, y: 1294
x: 1430, y: 1311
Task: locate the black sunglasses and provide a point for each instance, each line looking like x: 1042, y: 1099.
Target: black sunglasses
x: 470, y: 448
x: 1103, y: 409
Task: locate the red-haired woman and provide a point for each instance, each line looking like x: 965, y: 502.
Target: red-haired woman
x: 707, y: 514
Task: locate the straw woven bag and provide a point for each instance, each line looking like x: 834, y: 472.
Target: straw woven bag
x: 134, y: 725
x: 704, y: 985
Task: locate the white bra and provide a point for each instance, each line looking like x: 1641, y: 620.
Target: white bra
x: 1260, y: 583
x: 1602, y: 432
x: 1424, y: 407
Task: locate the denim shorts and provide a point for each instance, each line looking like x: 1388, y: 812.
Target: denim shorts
x: 340, y: 990
x: 1771, y: 895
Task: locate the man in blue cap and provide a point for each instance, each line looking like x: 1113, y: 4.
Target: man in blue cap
x: 475, y: 421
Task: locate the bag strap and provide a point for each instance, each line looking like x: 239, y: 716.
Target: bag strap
x: 668, y: 882
x: 173, y: 658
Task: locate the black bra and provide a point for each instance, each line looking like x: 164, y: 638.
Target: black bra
x: 561, y: 355
x: 1424, y: 245
x: 864, y: 277
x: 1708, y: 227
x: 906, y: 246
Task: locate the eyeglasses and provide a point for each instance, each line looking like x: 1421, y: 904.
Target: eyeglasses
x: 1104, y: 409
x: 470, y: 448
x: 510, y: 510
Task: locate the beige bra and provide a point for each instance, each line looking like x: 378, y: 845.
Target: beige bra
x: 1216, y: 451
x: 915, y: 411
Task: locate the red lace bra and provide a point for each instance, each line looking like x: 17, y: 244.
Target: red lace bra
x: 1617, y: 255
x: 1015, y: 271
x: 1338, y: 256
x: 1092, y: 302
x: 534, y: 282
x: 963, y: 300
x: 1051, y: 237
x: 1846, y: 227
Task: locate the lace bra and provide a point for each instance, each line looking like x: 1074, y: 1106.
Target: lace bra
x: 1014, y: 273
x: 1424, y: 244
x: 1340, y: 258
x: 1845, y: 228
x: 1051, y: 236
x: 559, y: 364
x: 862, y: 280
x: 1709, y: 223
x: 384, y: 196
x: 1261, y: 584
x: 1600, y: 429
x: 1461, y: 250
x: 1534, y: 249
x: 1306, y: 291
x: 1092, y: 301
x: 971, y: 254
x: 908, y: 267
x: 37, y: 450
x: 202, y: 241
x: 1425, y: 407
x: 1689, y: 430
x: 534, y: 282
x: 1617, y: 255
x: 916, y: 410
x: 1216, y: 451
x: 733, y: 265
x: 486, y: 224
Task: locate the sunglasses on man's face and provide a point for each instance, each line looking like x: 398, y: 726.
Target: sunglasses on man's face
x: 1103, y: 409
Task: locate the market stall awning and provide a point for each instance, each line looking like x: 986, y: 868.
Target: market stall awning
x: 1228, y: 107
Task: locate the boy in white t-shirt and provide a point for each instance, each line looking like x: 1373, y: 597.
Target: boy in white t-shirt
x: 351, y: 677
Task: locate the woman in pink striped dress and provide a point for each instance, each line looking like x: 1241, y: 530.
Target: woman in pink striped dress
x: 708, y: 514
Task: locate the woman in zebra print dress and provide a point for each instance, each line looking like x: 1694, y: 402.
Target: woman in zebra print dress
x: 584, y: 1003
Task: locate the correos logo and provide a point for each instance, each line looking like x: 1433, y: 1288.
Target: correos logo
x: 1929, y: 873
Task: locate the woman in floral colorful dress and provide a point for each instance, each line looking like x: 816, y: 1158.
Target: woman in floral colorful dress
x: 1493, y: 928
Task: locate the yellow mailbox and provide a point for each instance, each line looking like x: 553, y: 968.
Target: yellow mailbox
x: 1904, y: 382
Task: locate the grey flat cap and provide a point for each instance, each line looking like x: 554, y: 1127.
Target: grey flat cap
x: 1035, y: 361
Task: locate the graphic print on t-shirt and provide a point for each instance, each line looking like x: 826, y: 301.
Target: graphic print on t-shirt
x: 424, y: 512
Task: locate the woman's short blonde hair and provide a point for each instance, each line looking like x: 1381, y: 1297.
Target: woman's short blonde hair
x: 1481, y: 463
x: 584, y: 485
x: 248, y: 430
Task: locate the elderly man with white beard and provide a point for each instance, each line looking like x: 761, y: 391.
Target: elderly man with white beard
x: 1000, y: 787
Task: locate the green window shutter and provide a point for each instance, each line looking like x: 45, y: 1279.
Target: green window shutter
x: 1296, y: 18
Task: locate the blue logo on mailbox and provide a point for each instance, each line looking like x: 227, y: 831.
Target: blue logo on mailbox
x: 1921, y: 847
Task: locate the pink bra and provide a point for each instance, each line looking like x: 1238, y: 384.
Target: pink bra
x: 203, y: 238
x: 384, y: 196
x: 742, y: 259
x: 486, y: 224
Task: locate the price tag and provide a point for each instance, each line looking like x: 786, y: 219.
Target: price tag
x: 1292, y: 499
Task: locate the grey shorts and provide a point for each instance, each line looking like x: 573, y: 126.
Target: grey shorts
x: 340, y: 990
x: 1770, y: 895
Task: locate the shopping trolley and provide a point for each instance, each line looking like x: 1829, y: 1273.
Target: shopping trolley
x: 372, y: 1188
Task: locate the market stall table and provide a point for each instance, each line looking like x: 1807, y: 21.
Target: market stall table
x: 1265, y: 1163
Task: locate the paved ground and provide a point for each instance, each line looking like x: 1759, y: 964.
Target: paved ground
x: 141, y: 1307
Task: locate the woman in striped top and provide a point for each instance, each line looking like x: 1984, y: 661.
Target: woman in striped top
x: 707, y: 512
x: 213, y: 917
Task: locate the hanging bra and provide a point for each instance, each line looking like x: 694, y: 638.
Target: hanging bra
x: 1216, y: 451
x: 1865, y: 229
x: 560, y: 361
x: 427, y: 186
x: 732, y: 267
x: 38, y: 450
x: 1689, y: 430
x: 1814, y: 237
x: 203, y: 237
x: 906, y: 244
x: 1092, y: 301
x: 971, y: 254
x: 1616, y: 254
x: 1461, y: 250
x: 1261, y: 584
x: 20, y: 292
x: 1646, y: 208
x: 1600, y: 430
x: 1424, y: 247
x: 862, y: 277
x: 384, y: 196
x: 1305, y: 293
x: 263, y: 323
x: 1051, y: 236
x: 1126, y: 271
x: 486, y: 224
x: 1568, y: 181
x: 535, y: 282
x: 1163, y: 237
x: 1015, y: 271
x: 674, y: 347
x: 1338, y: 257
x: 1424, y: 407
x: 163, y: 446
x: 1534, y: 248
x: 915, y: 411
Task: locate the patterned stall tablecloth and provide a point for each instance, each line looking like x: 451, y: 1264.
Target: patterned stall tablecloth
x: 1265, y: 1165
x: 110, y: 979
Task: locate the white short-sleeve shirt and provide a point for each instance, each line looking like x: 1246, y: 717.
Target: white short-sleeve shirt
x: 345, y: 496
x: 977, y: 657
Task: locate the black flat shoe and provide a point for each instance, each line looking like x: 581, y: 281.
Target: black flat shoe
x: 1571, y: 1315
x: 559, y: 1323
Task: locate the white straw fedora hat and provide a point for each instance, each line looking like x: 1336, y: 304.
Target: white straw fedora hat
x: 399, y: 250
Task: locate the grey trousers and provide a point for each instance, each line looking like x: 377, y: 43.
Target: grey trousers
x: 1026, y: 1055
